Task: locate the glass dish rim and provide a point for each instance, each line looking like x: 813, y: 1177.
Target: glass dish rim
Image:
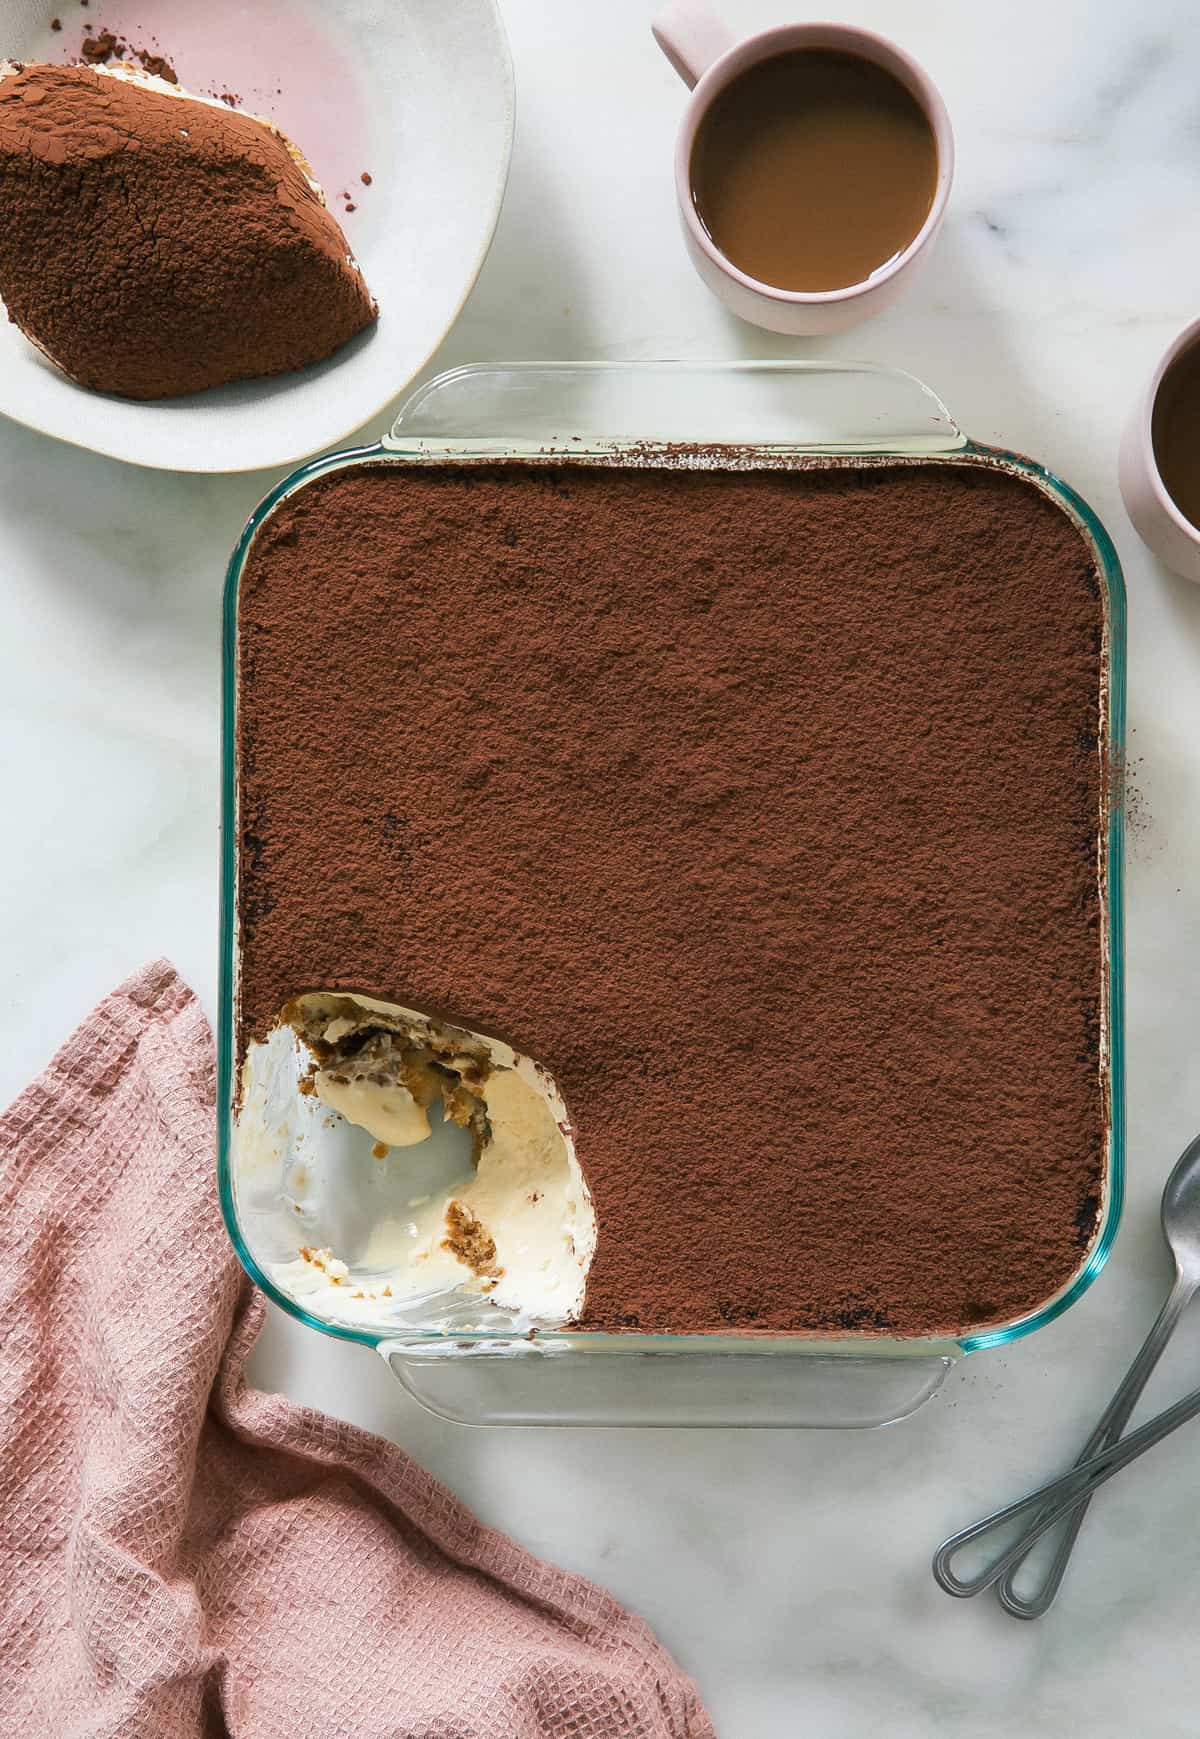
x: 811, y: 1344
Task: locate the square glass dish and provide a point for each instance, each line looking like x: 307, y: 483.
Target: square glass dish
x: 463, y: 1358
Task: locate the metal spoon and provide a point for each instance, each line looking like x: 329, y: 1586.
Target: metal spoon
x: 1102, y: 1455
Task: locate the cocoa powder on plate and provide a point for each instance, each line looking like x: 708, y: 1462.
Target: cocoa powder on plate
x: 761, y: 807
x: 152, y: 245
x: 106, y: 46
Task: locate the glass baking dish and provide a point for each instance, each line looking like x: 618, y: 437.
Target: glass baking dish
x: 481, y: 1371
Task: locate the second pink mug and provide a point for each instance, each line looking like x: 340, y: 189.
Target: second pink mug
x: 1167, y: 532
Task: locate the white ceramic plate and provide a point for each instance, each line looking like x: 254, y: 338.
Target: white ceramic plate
x: 416, y: 93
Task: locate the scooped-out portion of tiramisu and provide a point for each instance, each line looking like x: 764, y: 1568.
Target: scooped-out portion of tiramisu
x: 512, y: 1220
x: 153, y: 243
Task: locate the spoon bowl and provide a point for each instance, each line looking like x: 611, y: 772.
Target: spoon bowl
x: 1066, y: 1499
x: 1181, y: 1210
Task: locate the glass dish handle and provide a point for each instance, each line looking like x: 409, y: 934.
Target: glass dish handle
x: 564, y: 1380
x: 590, y: 408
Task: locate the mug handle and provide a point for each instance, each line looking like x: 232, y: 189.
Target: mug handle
x: 691, y: 37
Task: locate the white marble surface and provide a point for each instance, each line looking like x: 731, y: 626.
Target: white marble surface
x: 788, y: 1571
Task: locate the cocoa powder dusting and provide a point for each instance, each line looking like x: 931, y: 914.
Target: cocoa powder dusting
x: 153, y: 245
x: 760, y: 807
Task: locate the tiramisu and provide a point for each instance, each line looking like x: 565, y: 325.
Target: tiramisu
x: 153, y: 243
x: 742, y: 826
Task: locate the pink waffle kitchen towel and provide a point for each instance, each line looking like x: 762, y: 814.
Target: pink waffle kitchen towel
x: 180, y: 1555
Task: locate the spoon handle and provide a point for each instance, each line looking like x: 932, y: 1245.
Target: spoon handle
x: 1108, y: 1429
x: 1059, y: 1496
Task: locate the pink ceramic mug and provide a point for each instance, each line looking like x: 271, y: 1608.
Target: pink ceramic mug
x: 1156, y: 519
x: 707, y: 58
